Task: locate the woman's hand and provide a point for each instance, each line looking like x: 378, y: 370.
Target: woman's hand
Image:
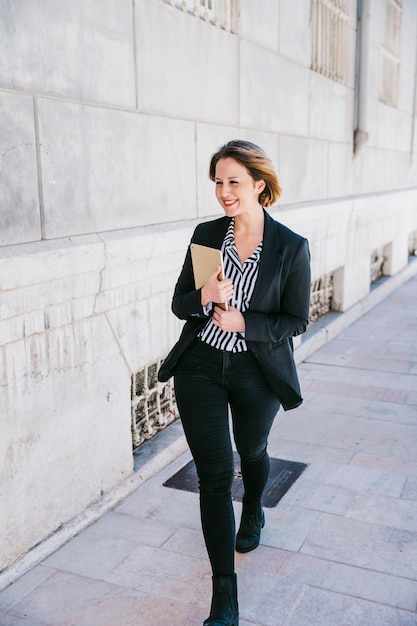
x: 216, y: 290
x: 231, y: 320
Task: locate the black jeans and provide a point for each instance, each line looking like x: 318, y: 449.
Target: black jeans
x: 208, y: 382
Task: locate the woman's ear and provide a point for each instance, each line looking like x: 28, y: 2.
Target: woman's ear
x: 260, y: 185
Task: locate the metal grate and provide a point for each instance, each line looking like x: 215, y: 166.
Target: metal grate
x: 390, y: 53
x: 282, y: 475
x: 330, y: 38
x: 377, y: 263
x: 220, y: 13
x: 152, y: 404
x: 321, y: 297
x: 412, y: 243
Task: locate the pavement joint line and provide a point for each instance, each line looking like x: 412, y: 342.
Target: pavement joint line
x: 158, y: 455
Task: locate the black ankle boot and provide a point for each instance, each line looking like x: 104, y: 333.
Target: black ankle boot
x: 249, y: 533
x: 224, y: 609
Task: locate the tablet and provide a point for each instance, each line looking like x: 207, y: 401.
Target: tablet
x: 205, y: 260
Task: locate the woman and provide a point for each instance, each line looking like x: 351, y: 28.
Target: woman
x: 240, y: 358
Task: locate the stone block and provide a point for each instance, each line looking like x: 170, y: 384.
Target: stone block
x: 187, y: 541
x: 187, y: 68
x: 320, y: 608
x: 390, y: 463
x: 406, y: 87
x: 344, y: 173
x: 351, y: 581
x: 83, y: 51
x: 19, y: 195
x: 66, y: 426
x: 90, y: 555
x: 295, y: 31
x: 48, y: 284
x: 394, y: 127
x: 306, y: 452
x: 169, y: 576
x: 264, y: 559
x: 319, y: 497
x: 328, y: 109
x: 379, y: 509
x: 44, y: 261
x: 288, y: 526
x: 137, y: 327
x: 181, y: 507
x: 384, y: 169
x: 260, y: 23
x: 358, y: 479
x: 410, y: 489
x: 93, y: 602
x: 266, y: 599
x: 104, y: 169
x: 22, y: 587
x: 41, y: 296
x: 120, y: 526
x: 303, y: 169
x: 352, y: 280
x: 353, y: 542
x: 135, y: 244
x: 272, y: 92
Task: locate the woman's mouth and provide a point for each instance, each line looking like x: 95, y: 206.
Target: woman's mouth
x: 228, y: 203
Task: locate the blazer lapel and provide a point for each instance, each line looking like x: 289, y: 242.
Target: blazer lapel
x: 220, y: 233
x: 270, y: 263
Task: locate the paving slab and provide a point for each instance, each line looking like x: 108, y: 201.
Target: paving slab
x: 339, y: 549
x: 318, y: 607
x: 351, y: 581
x: 364, y: 544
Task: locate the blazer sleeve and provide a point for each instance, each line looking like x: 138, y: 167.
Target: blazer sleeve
x: 186, y: 301
x: 291, y: 314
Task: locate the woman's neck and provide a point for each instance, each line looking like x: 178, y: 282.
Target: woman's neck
x: 250, y: 223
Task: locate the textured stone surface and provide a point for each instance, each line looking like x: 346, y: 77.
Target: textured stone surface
x: 83, y: 51
x: 174, y: 75
x: 122, y: 187
x: 19, y: 194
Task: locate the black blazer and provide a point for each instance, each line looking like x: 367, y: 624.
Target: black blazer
x: 279, y: 307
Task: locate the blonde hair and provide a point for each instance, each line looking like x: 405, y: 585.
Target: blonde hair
x: 258, y: 164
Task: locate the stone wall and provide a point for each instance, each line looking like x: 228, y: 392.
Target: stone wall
x: 109, y: 114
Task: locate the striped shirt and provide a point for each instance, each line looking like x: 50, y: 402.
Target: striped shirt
x: 244, y: 279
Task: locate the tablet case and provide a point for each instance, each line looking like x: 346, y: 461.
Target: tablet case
x: 205, y: 260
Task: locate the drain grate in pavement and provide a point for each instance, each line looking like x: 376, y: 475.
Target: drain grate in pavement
x: 282, y: 475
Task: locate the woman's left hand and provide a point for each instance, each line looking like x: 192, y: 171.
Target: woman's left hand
x: 231, y: 320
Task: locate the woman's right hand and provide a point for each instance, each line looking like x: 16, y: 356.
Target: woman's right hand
x: 216, y: 290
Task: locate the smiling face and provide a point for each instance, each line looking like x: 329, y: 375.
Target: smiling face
x: 236, y: 190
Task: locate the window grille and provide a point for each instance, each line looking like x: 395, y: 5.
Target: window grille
x: 377, y: 263
x: 220, y: 13
x: 390, y: 52
x: 321, y: 297
x: 153, y: 404
x: 330, y: 38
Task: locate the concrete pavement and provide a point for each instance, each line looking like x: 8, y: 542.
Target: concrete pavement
x: 339, y: 549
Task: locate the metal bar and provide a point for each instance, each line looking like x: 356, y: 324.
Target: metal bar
x: 228, y: 16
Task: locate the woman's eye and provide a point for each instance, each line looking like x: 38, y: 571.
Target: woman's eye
x: 218, y: 182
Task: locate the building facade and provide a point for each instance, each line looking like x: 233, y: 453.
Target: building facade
x: 109, y: 115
